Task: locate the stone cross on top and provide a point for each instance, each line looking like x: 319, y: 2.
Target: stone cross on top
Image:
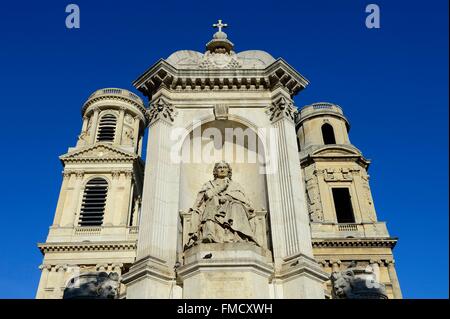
x: 220, y: 25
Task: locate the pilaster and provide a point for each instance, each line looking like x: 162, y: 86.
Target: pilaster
x: 157, y: 243
x: 302, y: 277
x: 394, y: 279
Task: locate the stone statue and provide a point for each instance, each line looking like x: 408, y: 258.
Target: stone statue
x: 93, y: 286
x: 356, y: 283
x: 221, y: 213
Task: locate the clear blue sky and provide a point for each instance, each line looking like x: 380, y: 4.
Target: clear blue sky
x: 391, y: 82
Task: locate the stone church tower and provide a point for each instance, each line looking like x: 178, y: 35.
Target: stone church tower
x: 241, y: 194
x: 96, y: 218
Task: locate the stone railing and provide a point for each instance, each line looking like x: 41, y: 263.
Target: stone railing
x: 322, y: 106
x: 347, y: 227
x: 115, y: 91
x: 88, y: 230
x: 133, y: 229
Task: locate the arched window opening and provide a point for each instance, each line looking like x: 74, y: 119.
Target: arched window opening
x: 328, y: 134
x: 107, y: 128
x: 93, y: 204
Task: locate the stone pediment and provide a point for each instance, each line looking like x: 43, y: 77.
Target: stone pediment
x: 98, y: 153
x: 336, y: 150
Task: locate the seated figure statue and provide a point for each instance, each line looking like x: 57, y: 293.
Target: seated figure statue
x: 221, y: 213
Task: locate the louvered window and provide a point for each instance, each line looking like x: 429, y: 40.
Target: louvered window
x: 93, y: 205
x: 107, y: 128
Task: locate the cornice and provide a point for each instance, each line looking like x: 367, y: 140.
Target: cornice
x: 85, y: 246
x: 355, y: 242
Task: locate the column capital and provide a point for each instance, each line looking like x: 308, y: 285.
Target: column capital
x: 117, y: 267
x: 335, y: 261
x: 161, y: 109
x: 389, y: 263
x: 115, y: 174
x: 379, y: 262
x: 101, y: 267
x: 281, y: 108
x: 66, y: 174
x: 61, y: 267
x: 45, y: 267
x: 79, y: 174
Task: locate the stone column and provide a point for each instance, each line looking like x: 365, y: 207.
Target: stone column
x: 394, y: 279
x: 152, y: 275
x: 302, y: 276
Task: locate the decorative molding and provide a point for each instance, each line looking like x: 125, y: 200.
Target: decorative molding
x: 91, y: 246
x: 338, y: 175
x: 360, y: 259
x: 212, y: 60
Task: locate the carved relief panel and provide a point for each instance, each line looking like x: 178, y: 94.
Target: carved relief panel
x: 128, y: 130
x: 315, y: 209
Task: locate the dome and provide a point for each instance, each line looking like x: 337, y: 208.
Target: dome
x: 220, y: 35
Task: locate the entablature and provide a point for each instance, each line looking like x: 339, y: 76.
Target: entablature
x: 162, y: 74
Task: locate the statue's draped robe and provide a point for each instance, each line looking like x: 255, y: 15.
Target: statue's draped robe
x: 213, y: 221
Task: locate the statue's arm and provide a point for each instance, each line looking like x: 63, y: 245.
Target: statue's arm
x: 201, y: 196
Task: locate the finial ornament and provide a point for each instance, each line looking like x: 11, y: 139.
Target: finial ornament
x: 220, y: 25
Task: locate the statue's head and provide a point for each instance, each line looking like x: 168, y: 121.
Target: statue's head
x: 222, y: 169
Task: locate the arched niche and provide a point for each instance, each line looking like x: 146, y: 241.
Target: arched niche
x: 240, y: 146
